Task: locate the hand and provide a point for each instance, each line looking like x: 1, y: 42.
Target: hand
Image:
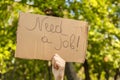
x: 58, y: 67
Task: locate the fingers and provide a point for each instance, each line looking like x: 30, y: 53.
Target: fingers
x: 58, y: 62
x: 54, y: 64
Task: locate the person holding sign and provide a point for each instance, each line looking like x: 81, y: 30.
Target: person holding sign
x: 58, y: 67
x: 38, y: 35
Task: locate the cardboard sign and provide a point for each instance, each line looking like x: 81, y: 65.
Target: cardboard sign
x: 40, y: 37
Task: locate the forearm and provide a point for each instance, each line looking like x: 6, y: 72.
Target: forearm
x: 58, y: 67
x: 59, y: 78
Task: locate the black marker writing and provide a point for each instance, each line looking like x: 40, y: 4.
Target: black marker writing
x: 65, y: 44
x: 72, y: 38
x: 70, y: 41
x: 78, y: 41
x: 44, y: 39
x: 59, y: 45
x: 42, y: 23
x: 36, y: 24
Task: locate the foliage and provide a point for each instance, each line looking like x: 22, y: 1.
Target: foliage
x: 103, y: 53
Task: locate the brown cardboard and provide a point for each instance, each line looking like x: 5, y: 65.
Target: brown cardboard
x: 40, y: 37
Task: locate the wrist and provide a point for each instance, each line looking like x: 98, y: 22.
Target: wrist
x: 59, y: 78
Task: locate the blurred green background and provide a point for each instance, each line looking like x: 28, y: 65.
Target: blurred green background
x: 103, y: 52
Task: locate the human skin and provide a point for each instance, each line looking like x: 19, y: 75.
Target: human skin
x: 58, y: 67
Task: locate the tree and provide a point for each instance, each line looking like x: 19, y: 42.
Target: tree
x: 103, y: 59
